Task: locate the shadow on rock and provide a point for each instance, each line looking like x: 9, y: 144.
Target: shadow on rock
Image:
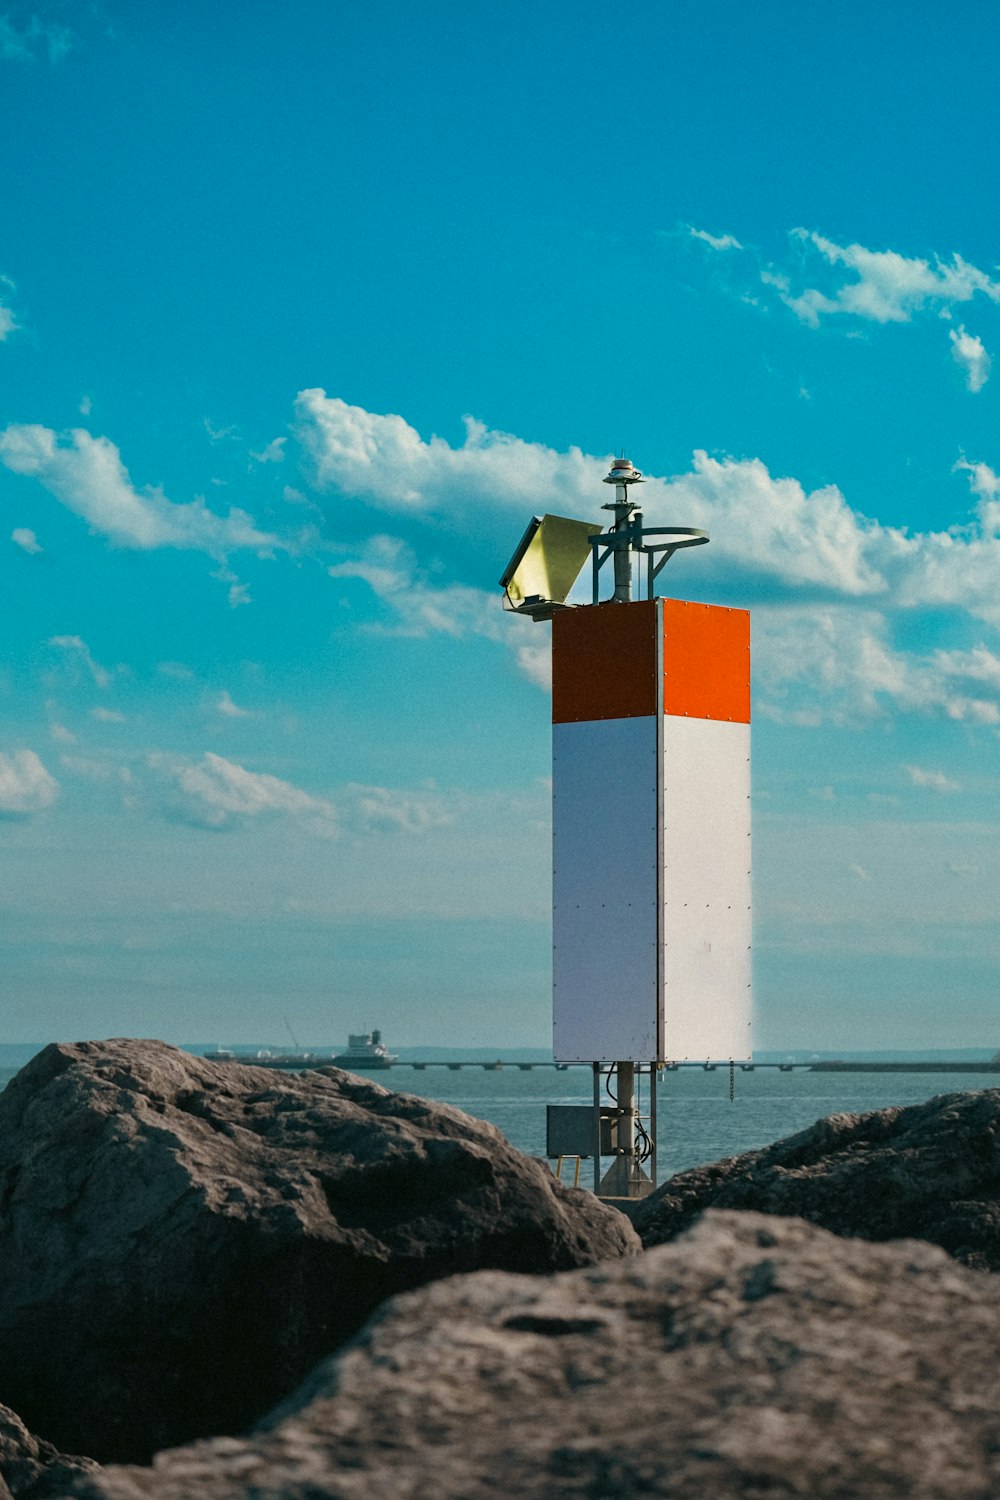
x: 181, y: 1240
x: 755, y: 1357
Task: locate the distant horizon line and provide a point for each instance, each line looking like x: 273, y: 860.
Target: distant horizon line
x: 527, y: 1052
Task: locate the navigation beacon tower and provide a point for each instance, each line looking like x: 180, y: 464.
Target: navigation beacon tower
x: 651, y: 826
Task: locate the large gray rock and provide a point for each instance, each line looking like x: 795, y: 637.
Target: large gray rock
x: 755, y: 1357
x: 31, y: 1469
x: 182, y: 1240
x: 930, y: 1170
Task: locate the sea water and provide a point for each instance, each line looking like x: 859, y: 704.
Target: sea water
x: 697, y: 1120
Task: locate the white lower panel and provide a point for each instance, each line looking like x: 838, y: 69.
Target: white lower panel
x: 604, y: 890
x: 706, y: 889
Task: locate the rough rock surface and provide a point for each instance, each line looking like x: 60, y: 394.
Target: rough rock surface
x: 755, y: 1357
x: 28, y: 1466
x: 181, y: 1240
x: 930, y: 1171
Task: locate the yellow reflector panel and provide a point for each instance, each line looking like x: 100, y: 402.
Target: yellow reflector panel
x: 548, y: 560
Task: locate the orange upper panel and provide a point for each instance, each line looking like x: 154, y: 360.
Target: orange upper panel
x: 604, y: 662
x: 706, y: 661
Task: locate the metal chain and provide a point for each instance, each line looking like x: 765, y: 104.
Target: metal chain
x: 732, y: 1081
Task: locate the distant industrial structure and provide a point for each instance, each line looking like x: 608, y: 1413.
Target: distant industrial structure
x: 651, y: 827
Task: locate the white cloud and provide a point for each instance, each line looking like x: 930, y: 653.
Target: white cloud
x: 716, y: 241
x: 763, y: 527
x: 535, y: 660
x: 25, y: 784
x: 884, y: 286
x: 838, y: 665
x: 107, y: 716
x: 230, y: 710
x: 833, y: 578
x: 383, y: 461
x: 26, y: 540
x: 86, y: 475
x: 86, y: 406
x: 216, y: 793
x: 34, y: 41
x: 860, y: 873
x: 968, y: 352
x: 934, y: 781
x: 61, y: 734
x: 74, y: 643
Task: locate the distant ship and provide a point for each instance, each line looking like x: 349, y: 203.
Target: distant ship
x: 366, y: 1050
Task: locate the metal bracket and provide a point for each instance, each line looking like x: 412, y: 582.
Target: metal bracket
x: 633, y: 538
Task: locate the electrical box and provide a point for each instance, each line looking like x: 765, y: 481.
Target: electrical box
x: 569, y: 1130
x: 651, y: 833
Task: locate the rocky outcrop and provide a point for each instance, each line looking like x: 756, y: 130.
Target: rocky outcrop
x: 181, y: 1240
x: 930, y: 1170
x: 755, y: 1357
x: 31, y: 1469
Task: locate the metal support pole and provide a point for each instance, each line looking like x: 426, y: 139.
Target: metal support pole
x: 654, y: 1078
x: 597, y: 1127
x: 626, y: 1116
x: 623, y: 554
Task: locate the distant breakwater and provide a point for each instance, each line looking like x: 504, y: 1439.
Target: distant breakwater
x: 905, y: 1067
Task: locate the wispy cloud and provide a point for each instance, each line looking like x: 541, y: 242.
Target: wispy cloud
x: 35, y: 41
x: 221, y: 434
x: 879, y: 286
x: 387, y: 565
x: 374, y: 807
x: 224, y: 705
x: 86, y: 474
x: 79, y: 647
x: 272, y: 453
x: 107, y: 715
x: 420, y: 607
x: 968, y: 352
x: 25, y: 784
x: 933, y: 781
x: 100, y: 771
x: 8, y: 320
x: 216, y: 793
x: 28, y: 542
x: 836, y: 665
x: 716, y: 241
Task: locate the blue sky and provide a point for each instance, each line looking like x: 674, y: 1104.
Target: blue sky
x: 306, y: 308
